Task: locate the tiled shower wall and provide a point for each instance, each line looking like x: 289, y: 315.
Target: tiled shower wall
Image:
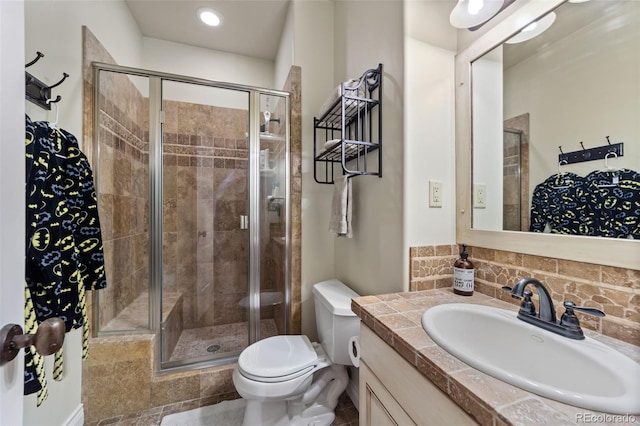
x: 205, y: 192
x: 123, y: 191
x: 516, y: 175
x: 612, y: 289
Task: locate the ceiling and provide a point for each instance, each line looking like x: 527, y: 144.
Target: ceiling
x: 249, y: 27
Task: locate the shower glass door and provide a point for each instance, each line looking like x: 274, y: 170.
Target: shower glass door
x: 205, y: 228
x: 193, y: 179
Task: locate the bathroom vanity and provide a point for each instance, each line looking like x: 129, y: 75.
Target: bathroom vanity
x: 393, y: 392
x: 406, y: 378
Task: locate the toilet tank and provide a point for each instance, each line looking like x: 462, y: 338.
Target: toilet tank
x: 335, y: 321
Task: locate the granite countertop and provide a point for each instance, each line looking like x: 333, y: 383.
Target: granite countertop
x: 396, y: 319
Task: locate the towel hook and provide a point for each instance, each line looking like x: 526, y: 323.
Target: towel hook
x: 64, y: 77
x: 45, y: 91
x: 40, y: 55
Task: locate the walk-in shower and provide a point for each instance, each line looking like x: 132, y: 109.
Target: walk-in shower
x: 193, y: 188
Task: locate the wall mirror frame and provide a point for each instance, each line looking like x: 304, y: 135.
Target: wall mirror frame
x: 595, y: 250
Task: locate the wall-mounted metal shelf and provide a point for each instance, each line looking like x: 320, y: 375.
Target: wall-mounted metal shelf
x: 350, y: 128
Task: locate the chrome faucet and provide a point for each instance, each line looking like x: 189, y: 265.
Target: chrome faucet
x: 568, y: 326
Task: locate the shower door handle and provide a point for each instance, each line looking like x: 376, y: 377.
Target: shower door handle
x: 244, y: 222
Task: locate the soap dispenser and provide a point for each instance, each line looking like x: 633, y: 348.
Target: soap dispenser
x: 463, y: 274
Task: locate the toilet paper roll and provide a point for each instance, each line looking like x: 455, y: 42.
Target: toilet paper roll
x: 354, y: 351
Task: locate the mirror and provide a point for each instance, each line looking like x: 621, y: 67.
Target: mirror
x: 575, y: 82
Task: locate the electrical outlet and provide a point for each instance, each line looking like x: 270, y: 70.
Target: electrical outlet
x: 479, y: 196
x: 435, y: 193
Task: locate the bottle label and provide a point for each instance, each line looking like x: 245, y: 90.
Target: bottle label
x: 463, y: 279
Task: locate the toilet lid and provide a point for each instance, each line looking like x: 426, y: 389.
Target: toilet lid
x: 278, y: 358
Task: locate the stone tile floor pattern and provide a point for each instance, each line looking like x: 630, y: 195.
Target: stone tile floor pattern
x: 346, y: 413
x: 193, y: 343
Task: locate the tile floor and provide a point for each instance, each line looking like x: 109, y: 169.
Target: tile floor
x: 346, y: 413
x: 193, y: 343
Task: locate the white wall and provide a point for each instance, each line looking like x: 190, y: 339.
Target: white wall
x: 583, y: 88
x: 429, y: 123
x: 286, y: 51
x: 55, y: 29
x: 367, y: 33
x: 12, y: 171
x: 313, y: 52
x: 177, y: 58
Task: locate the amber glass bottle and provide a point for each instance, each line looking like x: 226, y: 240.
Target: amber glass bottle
x: 463, y: 274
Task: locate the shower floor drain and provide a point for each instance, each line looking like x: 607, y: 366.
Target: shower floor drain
x: 213, y: 348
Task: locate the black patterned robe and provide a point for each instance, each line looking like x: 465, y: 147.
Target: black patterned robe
x: 64, y: 254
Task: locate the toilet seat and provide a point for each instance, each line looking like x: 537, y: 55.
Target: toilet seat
x: 278, y: 359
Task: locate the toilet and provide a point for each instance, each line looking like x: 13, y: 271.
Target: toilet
x: 288, y: 380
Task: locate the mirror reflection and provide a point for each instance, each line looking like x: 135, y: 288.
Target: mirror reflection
x: 556, y: 128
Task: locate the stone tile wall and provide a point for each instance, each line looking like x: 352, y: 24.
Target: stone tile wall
x: 123, y: 193
x: 118, y: 379
x: 205, y: 192
x: 614, y: 290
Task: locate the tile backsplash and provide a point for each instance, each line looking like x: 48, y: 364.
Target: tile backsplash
x: 614, y: 290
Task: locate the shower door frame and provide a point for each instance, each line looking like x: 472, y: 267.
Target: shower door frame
x: 156, y: 119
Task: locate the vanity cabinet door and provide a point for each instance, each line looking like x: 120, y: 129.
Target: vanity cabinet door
x: 389, y: 383
x: 379, y: 408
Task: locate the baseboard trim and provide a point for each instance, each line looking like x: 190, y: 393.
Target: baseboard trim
x: 77, y: 418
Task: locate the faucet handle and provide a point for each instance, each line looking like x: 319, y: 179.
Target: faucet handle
x: 570, y: 307
x: 569, y: 318
x: 527, y: 305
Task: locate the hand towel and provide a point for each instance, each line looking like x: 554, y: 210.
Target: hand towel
x: 341, y: 208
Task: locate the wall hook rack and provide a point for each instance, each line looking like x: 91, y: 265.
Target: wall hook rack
x: 591, y: 154
x: 39, y: 92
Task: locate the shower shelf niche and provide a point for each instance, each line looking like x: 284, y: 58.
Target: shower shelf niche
x: 350, y: 128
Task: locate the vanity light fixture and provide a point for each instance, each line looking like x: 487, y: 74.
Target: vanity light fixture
x: 209, y: 17
x: 469, y: 13
x: 533, y: 29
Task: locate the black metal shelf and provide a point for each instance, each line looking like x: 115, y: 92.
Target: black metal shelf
x: 350, y: 129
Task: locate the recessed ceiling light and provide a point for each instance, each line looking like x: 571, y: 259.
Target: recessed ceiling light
x: 209, y: 17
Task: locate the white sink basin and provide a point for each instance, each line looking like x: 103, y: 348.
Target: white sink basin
x: 583, y: 373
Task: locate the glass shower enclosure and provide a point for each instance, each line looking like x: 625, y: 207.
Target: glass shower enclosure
x: 193, y: 186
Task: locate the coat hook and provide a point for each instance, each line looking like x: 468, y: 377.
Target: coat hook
x: 64, y: 77
x: 45, y: 92
x: 40, y: 55
x: 560, y: 148
x: 582, y: 146
x: 56, y: 100
x: 608, y: 141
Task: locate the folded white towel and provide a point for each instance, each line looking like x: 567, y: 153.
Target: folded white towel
x: 337, y: 92
x: 341, y: 208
